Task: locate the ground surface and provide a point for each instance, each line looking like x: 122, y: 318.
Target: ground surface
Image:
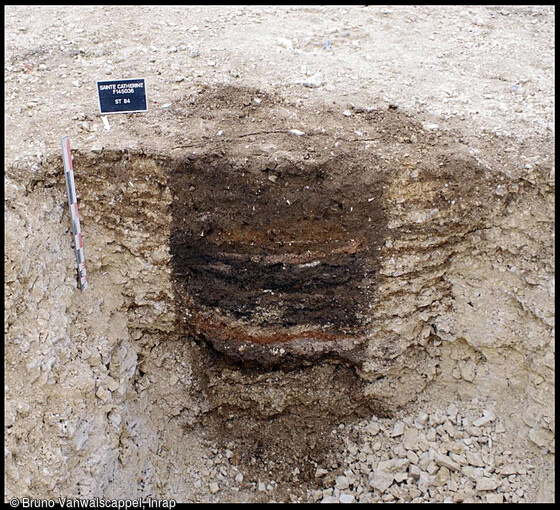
x: 106, y: 392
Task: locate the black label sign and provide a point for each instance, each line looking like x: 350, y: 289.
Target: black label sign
x: 122, y: 96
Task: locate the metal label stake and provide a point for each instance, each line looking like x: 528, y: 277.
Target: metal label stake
x: 73, y: 205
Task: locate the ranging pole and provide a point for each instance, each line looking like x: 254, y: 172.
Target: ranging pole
x: 73, y: 205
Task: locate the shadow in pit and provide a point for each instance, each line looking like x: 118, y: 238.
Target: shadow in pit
x: 280, y: 424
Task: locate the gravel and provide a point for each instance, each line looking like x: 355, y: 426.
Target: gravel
x: 432, y: 456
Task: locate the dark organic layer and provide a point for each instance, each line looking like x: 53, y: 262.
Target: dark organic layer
x: 274, y: 261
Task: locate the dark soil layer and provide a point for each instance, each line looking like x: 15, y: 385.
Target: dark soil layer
x: 272, y: 246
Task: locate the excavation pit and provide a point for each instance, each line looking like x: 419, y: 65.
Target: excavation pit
x: 299, y: 276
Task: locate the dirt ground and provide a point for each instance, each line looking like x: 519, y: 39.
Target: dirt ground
x: 408, y: 149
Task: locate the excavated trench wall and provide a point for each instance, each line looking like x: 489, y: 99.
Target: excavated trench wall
x: 298, y: 281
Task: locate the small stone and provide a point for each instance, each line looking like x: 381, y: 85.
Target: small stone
x: 432, y: 468
x: 372, y: 429
x: 424, y: 461
x: 114, y: 418
x: 102, y: 394
x: 472, y: 473
x: 509, y: 469
x: 422, y: 418
x: 262, y: 487
x: 400, y: 477
x: 444, y: 460
x: 487, y: 417
x: 442, y: 477
x: 468, y: 370
x: 486, y: 484
x: 313, y: 82
x: 94, y: 360
x: 430, y: 127
x: 194, y: 53
x: 410, y: 439
x: 112, y: 384
x: 414, y: 471
x: 239, y: 478
x: 347, y: 113
x: 459, y: 497
x: 386, y: 465
x: 412, y: 457
x: 398, y: 429
x: 297, y: 132
x: 448, y: 427
x: 474, y: 459
x: 342, y: 482
x: 179, y: 79
x: 425, y: 482
x: 401, y: 464
x: 96, y: 149
x: 214, y: 487
x: 431, y: 435
x: 173, y: 380
x: 285, y: 43
x: 320, y: 472
x: 23, y: 408
x: 381, y: 481
x: 459, y: 459
x: 347, y: 498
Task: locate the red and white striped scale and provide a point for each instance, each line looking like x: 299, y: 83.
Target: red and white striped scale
x: 73, y: 205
